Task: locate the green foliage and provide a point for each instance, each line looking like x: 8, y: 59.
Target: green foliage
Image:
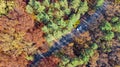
x: 114, y: 19
x: 116, y: 27
x: 43, y: 17
x: 72, y: 62
x: 106, y: 46
x: 118, y: 35
x: 107, y: 49
x: 75, y: 4
x: 29, y: 9
x: 64, y: 61
x: 99, y: 3
x: 76, y: 61
x: 29, y: 58
x: 53, y: 14
x: 83, y: 7
x: 108, y: 35
x: 5, y: 6
x: 110, y: 30
x: 107, y: 31
x: 34, y: 7
x: 89, y: 52
x: 82, y: 59
x: 115, y: 24
x: 85, y: 59
x: 106, y: 26
x: 94, y: 46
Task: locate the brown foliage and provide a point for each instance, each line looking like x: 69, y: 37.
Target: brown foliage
x: 35, y: 35
x: 8, y: 61
x: 93, y: 60
x: 14, y: 35
x: 51, y: 61
x: 82, y: 38
x: 112, y: 10
x: 68, y: 50
x: 18, y: 21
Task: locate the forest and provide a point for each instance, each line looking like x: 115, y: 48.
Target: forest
x: 59, y: 33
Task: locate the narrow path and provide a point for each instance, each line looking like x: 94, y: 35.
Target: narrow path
x: 65, y: 40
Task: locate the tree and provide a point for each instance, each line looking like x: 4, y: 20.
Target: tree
x: 99, y: 3
x: 108, y: 35
x: 106, y: 26
x: 6, y: 6
x: 52, y: 15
